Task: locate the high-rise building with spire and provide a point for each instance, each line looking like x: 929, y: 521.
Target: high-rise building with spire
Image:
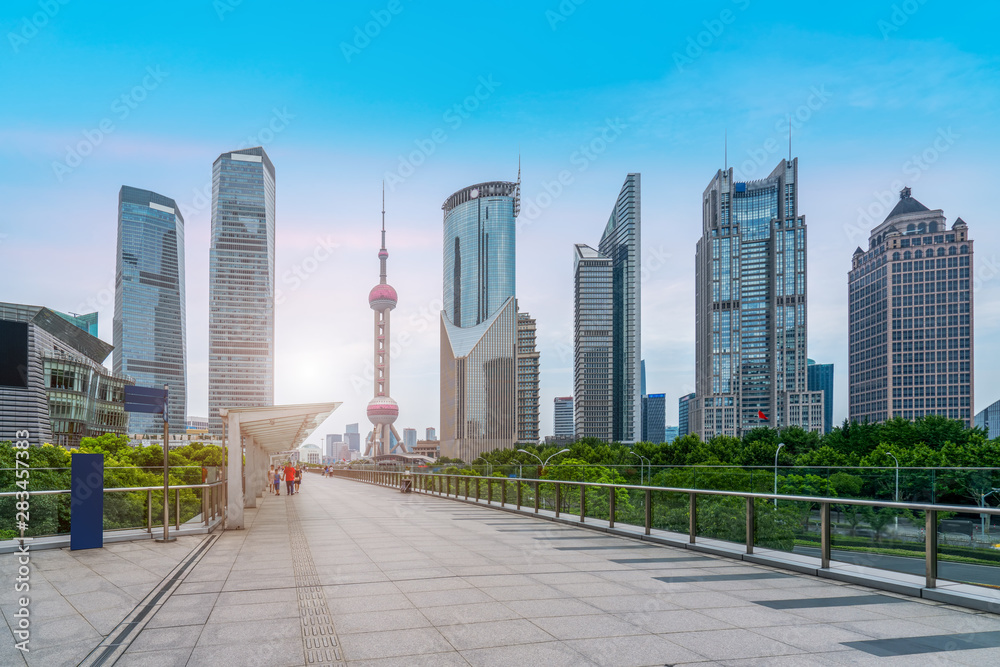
x: 479, y: 321
x: 382, y: 409
x: 750, y: 308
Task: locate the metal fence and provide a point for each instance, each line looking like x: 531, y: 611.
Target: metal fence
x: 936, y: 542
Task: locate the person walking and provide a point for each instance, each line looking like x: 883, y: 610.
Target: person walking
x: 290, y: 479
x: 298, y: 479
x: 270, y: 480
x: 276, y: 481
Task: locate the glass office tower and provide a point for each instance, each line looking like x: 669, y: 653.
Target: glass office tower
x: 684, y: 414
x: 149, y: 322
x: 654, y: 418
x: 750, y: 327
x: 618, y: 253
x: 479, y: 321
x: 527, y: 380
x: 911, y: 318
x: 821, y: 379
x: 241, y: 284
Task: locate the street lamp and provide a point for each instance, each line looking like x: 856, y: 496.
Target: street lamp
x: 546, y: 462
x: 640, y: 465
x: 780, y: 445
x: 895, y: 519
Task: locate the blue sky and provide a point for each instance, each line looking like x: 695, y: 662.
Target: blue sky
x: 445, y: 95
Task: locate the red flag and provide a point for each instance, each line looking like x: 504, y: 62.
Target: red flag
x: 761, y: 416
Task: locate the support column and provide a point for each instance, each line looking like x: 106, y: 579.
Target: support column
x: 260, y: 470
x: 250, y: 492
x: 234, y: 473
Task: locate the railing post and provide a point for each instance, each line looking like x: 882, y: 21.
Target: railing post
x: 583, y: 503
x: 537, y: 499
x: 750, y: 525
x: 824, y: 514
x: 489, y: 490
x: 503, y: 493
x: 931, y: 548
x: 205, y: 503
x: 518, y: 493
x: 649, y: 510
x: 611, y: 508
x: 177, y: 509
x: 477, y: 489
x: 692, y: 517
x: 149, y: 512
x: 466, y: 488
x: 558, y: 498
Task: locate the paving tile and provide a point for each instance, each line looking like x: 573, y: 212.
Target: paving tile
x: 383, y: 621
x: 633, y: 651
x: 464, y: 636
x: 479, y: 612
x: 161, y: 639
x: 549, y: 654
x: 369, y: 645
x: 732, y: 644
x: 276, y: 652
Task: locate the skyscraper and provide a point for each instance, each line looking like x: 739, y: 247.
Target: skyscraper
x: 149, y: 322
x: 654, y: 418
x: 382, y: 409
x: 410, y: 438
x: 684, y: 414
x: 479, y: 321
x: 989, y: 419
x: 911, y: 318
x: 750, y: 326
x: 607, y: 345
x: 562, y: 421
x: 333, y: 441
x: 241, y: 284
x: 352, y: 437
x: 527, y: 380
x: 821, y: 379
x: 431, y: 433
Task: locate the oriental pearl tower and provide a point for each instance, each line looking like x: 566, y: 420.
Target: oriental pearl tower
x: 382, y: 409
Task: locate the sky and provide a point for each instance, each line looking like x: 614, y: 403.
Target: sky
x: 433, y: 97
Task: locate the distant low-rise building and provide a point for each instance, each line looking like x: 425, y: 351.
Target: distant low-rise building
x: 428, y: 448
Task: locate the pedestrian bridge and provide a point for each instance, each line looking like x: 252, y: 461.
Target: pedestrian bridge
x: 357, y: 573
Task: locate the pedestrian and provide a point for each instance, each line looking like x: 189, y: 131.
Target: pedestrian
x: 290, y: 479
x: 276, y: 481
x: 298, y: 479
x: 268, y: 480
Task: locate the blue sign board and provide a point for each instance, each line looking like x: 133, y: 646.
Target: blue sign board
x: 146, y: 399
x: 86, y: 505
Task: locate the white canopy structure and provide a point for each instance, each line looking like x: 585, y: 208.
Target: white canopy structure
x: 260, y: 432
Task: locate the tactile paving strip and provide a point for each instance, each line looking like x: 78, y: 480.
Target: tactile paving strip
x: 322, y: 648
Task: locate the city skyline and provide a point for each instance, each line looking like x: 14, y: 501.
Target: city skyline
x: 869, y: 109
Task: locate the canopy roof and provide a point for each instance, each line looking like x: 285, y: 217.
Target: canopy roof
x: 280, y: 428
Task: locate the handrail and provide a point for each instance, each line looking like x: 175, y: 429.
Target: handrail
x: 920, y: 507
x: 432, y: 484
x: 205, y: 485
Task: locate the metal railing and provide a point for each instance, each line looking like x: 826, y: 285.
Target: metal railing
x: 452, y: 486
x: 213, y: 502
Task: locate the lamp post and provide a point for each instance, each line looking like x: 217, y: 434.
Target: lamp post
x: 780, y: 445
x: 895, y: 519
x: 982, y: 503
x: 546, y: 462
x: 640, y: 465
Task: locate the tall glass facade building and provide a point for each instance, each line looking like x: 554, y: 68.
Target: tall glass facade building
x: 911, y: 318
x: 750, y: 327
x: 527, y: 380
x: 562, y: 417
x: 684, y: 414
x: 593, y: 344
x: 821, y: 379
x: 149, y: 332
x: 241, y: 284
x: 479, y: 321
x: 654, y: 418
x: 619, y: 251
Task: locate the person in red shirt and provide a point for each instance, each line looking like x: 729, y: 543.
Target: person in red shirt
x: 289, y: 479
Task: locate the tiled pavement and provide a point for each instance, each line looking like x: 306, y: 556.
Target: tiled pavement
x: 415, y: 580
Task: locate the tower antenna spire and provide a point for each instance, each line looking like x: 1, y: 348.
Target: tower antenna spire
x: 725, y: 143
x: 789, y: 138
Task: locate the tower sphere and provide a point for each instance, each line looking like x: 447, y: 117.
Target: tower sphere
x: 382, y: 297
x: 382, y: 410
